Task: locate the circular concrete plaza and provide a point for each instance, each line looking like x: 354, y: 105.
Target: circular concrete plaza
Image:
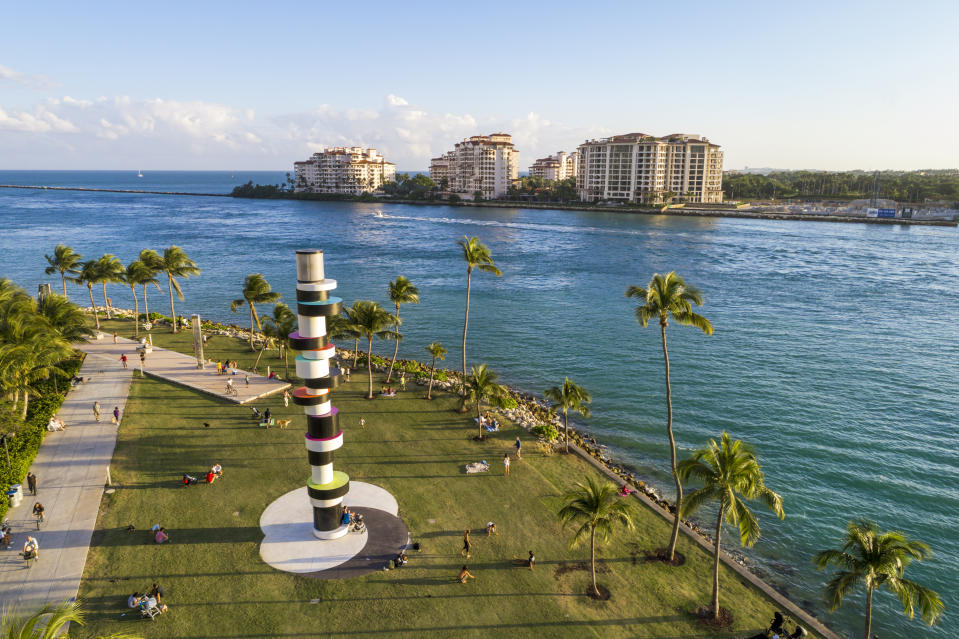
x: 289, y: 544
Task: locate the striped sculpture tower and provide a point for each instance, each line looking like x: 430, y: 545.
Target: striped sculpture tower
x: 326, y: 487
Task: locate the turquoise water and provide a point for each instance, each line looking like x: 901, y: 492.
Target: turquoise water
x: 835, y: 350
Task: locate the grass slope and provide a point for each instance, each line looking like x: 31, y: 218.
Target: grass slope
x: 218, y: 587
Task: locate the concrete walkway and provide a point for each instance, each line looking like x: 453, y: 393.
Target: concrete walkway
x: 71, y: 467
x: 181, y: 369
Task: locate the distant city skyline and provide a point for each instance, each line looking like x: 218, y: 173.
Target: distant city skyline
x: 202, y: 86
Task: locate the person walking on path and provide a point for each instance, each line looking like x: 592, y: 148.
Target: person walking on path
x: 466, y: 544
x: 506, y: 465
x: 143, y: 358
x: 246, y: 378
x: 32, y: 483
x: 464, y: 575
x: 116, y: 415
x: 286, y: 399
x: 123, y: 360
x: 96, y: 411
x: 114, y: 337
x: 519, y: 447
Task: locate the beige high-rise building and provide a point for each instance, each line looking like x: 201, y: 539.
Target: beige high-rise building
x: 642, y: 168
x: 486, y: 163
x: 351, y: 170
x: 440, y: 169
x: 556, y: 167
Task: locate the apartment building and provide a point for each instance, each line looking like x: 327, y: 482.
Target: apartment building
x: 486, y: 163
x: 440, y: 169
x: 351, y: 170
x: 556, y: 167
x: 643, y: 168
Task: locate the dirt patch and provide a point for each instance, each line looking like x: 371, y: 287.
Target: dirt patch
x: 662, y: 554
x: 603, y: 592
x: 705, y: 616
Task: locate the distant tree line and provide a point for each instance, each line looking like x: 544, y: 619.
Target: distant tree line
x: 540, y: 189
x: 903, y: 186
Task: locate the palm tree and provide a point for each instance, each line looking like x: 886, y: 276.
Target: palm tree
x: 567, y: 397
x: 371, y: 320
x: 438, y: 352
x: 278, y: 328
x: 730, y: 474
x: 151, y: 260
x: 175, y: 263
x: 875, y: 559
x: 256, y: 290
x: 138, y: 273
x: 482, y: 386
x: 48, y: 622
x: 65, y: 262
x: 338, y: 327
x: 401, y: 291
x: 669, y: 296
x: 476, y: 255
x: 111, y: 271
x: 596, y: 505
x: 90, y: 274
x: 64, y: 317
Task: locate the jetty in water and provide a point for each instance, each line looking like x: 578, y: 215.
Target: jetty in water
x: 83, y: 188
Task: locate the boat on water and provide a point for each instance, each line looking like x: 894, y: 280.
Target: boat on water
x: 139, y: 173
x: 378, y: 213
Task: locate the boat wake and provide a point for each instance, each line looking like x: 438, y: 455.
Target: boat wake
x: 526, y: 226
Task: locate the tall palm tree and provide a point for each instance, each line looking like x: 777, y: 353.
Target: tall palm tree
x: 875, y: 559
x: 338, y: 327
x: 371, y: 320
x: 111, y: 271
x: 65, y: 318
x: 401, y: 292
x: 277, y: 327
x: 65, y: 262
x: 90, y: 274
x: 668, y: 296
x: 138, y: 273
x: 730, y: 474
x: 569, y: 396
x: 256, y: 290
x: 175, y: 263
x: 482, y: 386
x: 48, y: 622
x: 438, y: 352
x: 597, y: 507
x: 477, y: 256
x: 151, y: 260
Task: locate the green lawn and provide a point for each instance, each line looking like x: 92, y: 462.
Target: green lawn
x: 218, y: 587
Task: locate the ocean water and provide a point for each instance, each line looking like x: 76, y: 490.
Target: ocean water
x: 835, y: 353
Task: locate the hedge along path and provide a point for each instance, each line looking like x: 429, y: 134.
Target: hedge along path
x: 71, y: 467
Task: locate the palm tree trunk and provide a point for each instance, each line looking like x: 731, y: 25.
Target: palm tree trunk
x: 429, y: 389
x: 259, y: 355
x: 26, y: 402
x: 592, y: 557
x: 479, y: 427
x: 466, y: 322
x: 396, y: 349
x: 369, y: 368
x: 146, y: 305
x: 63, y: 278
x: 672, y: 450
x: 868, y: 612
x: 136, y: 311
x: 172, y: 312
x: 106, y: 301
x: 96, y: 318
x: 719, y: 532
x: 252, y: 326
x: 566, y: 427
x: 286, y: 361
x: 356, y: 351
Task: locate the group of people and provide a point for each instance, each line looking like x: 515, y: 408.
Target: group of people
x: 97, y: 412
x: 222, y: 368
x: 387, y: 391
x: 488, y: 422
x: 465, y: 574
x: 56, y: 424
x: 211, y: 475
x: 152, y: 598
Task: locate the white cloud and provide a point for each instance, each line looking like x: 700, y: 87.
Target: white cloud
x: 28, y: 80
x: 108, y: 132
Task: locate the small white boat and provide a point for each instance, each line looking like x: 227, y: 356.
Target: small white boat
x: 139, y: 173
x: 378, y: 213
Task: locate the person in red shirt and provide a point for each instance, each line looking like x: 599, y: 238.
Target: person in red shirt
x: 123, y: 360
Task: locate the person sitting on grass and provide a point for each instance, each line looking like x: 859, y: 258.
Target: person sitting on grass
x: 189, y: 479
x: 133, y: 600
x: 54, y: 424
x: 158, y: 592
x: 210, y: 477
x: 625, y: 491
x: 161, y: 536
x: 402, y: 558
x: 464, y: 575
x: 217, y: 469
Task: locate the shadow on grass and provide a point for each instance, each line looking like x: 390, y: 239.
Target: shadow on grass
x: 120, y: 536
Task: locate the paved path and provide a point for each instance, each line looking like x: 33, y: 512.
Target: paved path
x: 181, y: 369
x: 71, y: 467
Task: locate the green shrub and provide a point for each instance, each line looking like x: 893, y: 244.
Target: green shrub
x: 441, y: 376
x: 546, y: 431
x: 509, y: 402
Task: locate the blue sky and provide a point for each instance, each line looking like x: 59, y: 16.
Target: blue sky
x: 242, y: 85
